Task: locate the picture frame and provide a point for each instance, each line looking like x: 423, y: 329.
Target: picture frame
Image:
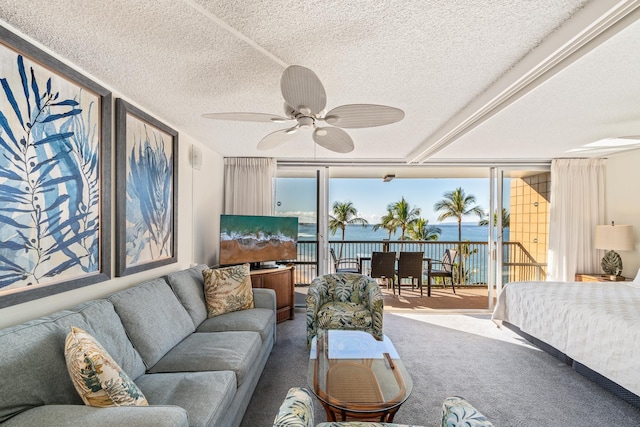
x: 146, y: 191
x: 55, y: 175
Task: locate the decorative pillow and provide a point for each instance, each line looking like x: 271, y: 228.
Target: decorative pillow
x: 96, y: 376
x: 227, y: 289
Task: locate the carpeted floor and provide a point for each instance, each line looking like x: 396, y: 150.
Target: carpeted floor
x: 512, y: 382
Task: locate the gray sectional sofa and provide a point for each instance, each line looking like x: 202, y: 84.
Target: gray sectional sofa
x: 193, y: 371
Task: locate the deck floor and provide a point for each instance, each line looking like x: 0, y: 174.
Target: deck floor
x: 465, y: 298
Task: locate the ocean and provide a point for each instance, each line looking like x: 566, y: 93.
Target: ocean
x: 470, y: 231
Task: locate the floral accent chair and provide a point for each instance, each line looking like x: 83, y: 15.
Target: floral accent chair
x: 344, y: 301
x: 456, y: 411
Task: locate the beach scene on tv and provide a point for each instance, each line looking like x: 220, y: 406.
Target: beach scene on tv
x: 247, y: 238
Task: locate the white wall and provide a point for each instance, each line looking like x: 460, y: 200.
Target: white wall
x: 622, y: 203
x: 199, y: 208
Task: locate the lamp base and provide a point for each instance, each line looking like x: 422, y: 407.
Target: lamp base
x: 612, y: 263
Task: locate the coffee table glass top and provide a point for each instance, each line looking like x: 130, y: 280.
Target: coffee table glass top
x: 352, y: 371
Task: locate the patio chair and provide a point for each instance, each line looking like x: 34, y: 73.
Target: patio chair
x: 344, y: 301
x: 344, y: 265
x: 410, y: 267
x: 383, y: 266
x: 443, y: 269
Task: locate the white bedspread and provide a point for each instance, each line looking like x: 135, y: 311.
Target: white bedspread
x: 595, y: 323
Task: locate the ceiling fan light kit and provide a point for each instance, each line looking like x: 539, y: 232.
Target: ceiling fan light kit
x: 305, y: 102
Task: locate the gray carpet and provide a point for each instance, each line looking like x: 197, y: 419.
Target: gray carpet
x: 509, y: 380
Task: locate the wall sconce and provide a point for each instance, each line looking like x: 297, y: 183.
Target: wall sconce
x: 613, y: 238
x: 388, y: 178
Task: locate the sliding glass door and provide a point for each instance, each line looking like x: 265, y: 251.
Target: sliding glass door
x: 505, y: 241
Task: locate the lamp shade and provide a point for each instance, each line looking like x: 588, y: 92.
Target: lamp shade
x: 614, y: 237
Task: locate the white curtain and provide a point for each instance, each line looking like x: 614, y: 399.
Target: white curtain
x: 577, y: 206
x: 248, y: 185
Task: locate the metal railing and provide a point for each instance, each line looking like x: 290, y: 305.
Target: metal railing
x: 518, y: 263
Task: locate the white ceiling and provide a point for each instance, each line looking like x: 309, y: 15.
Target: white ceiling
x: 478, y: 80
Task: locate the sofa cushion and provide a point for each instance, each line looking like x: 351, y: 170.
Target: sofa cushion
x: 153, y: 318
x: 213, y: 351
x: 188, y: 285
x: 96, y: 376
x: 260, y: 320
x: 116, y: 416
x: 36, y: 363
x: 205, y: 395
x: 227, y: 289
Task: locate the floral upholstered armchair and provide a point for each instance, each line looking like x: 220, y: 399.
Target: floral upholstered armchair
x: 344, y: 301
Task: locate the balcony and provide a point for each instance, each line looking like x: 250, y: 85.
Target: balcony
x: 518, y: 264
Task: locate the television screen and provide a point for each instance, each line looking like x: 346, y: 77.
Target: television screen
x: 253, y: 239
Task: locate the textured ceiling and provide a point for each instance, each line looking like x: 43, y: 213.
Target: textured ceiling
x: 443, y: 63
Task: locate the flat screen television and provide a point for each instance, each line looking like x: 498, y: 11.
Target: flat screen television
x: 255, y: 239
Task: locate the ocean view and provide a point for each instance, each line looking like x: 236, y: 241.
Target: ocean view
x: 475, y: 264
x: 470, y: 231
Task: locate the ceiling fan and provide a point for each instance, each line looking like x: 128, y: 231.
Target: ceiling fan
x: 305, y: 101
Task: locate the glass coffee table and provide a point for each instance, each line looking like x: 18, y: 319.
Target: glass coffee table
x: 354, y: 375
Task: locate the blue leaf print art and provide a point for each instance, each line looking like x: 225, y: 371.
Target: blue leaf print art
x: 149, y: 227
x: 49, y: 176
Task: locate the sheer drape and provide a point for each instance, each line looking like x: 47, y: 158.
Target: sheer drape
x: 577, y: 206
x: 248, y: 185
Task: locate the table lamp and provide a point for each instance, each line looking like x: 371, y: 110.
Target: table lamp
x: 613, y: 238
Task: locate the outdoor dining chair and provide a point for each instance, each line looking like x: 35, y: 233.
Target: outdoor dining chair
x: 410, y: 267
x: 383, y: 266
x: 444, y: 269
x: 344, y: 265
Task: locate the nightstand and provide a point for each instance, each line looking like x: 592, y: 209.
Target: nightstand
x: 600, y: 278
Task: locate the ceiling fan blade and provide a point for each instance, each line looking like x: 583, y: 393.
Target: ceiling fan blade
x: 302, y: 90
x: 276, y: 138
x: 247, y: 117
x: 333, y: 139
x: 363, y: 115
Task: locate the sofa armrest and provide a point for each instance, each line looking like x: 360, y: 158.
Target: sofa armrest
x: 457, y: 411
x: 120, y: 416
x: 264, y: 298
x: 296, y: 410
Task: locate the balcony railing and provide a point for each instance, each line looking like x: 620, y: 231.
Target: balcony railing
x: 518, y: 264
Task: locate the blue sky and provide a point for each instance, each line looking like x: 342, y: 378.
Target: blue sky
x: 371, y: 196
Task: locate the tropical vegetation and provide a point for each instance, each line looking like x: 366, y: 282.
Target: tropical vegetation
x: 344, y: 213
x: 456, y: 204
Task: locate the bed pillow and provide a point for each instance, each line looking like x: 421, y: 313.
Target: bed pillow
x: 636, y: 280
x: 227, y: 289
x: 99, y: 380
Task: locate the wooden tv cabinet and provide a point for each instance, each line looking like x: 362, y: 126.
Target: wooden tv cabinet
x: 280, y: 280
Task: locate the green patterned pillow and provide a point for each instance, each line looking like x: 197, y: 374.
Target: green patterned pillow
x: 96, y: 376
x: 227, y: 289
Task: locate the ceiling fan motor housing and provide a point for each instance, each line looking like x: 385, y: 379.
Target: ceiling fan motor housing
x: 305, y: 121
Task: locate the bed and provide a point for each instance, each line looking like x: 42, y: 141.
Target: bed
x: 594, y: 326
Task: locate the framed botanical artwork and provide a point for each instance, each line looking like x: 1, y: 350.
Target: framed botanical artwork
x: 55, y: 175
x: 147, y: 191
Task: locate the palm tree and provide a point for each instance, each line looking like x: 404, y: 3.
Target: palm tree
x: 422, y: 230
x: 344, y: 213
x: 506, y: 219
x: 386, y: 222
x: 456, y: 204
x: 403, y: 215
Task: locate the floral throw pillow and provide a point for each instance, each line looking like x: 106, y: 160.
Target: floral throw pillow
x: 227, y: 289
x: 96, y: 376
